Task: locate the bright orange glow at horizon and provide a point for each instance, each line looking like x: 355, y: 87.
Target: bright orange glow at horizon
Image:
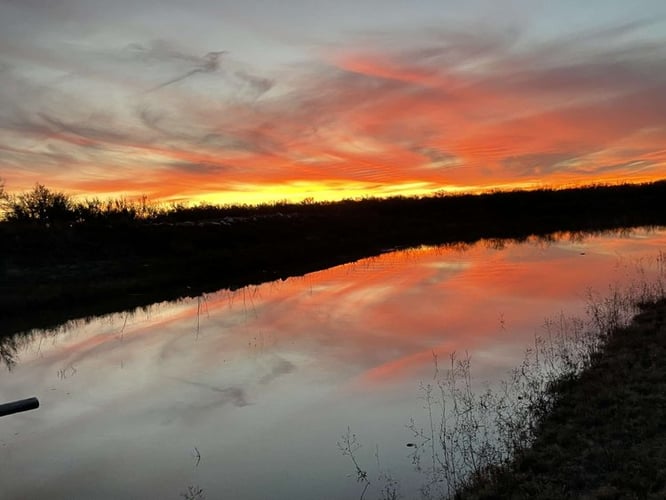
x: 359, y: 121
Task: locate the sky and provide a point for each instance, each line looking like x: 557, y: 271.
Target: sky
x: 258, y: 101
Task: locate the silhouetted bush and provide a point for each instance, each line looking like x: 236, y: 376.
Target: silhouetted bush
x: 40, y: 206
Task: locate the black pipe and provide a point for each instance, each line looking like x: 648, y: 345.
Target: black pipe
x: 19, y: 406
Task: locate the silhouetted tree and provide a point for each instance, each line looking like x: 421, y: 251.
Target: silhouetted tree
x: 41, y: 206
x: 4, y: 199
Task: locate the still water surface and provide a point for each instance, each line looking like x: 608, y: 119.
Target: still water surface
x: 245, y: 394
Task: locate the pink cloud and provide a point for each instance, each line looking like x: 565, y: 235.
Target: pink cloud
x: 448, y: 110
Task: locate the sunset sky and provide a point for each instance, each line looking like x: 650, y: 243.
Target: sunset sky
x: 251, y: 101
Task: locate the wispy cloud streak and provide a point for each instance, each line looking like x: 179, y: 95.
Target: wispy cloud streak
x: 209, y: 64
x: 441, y: 108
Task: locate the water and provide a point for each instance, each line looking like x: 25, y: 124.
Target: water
x: 245, y: 394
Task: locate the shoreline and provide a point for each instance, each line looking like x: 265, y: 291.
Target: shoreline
x: 47, y: 296
x: 51, y: 273
x: 604, y: 436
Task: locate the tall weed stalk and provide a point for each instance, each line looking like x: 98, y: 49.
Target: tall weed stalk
x: 469, y: 434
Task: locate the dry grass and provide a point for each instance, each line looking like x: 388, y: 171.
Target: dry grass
x: 604, y: 436
x: 581, y: 417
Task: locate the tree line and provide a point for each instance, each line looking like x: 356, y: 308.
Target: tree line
x: 44, y: 207
x: 47, y: 207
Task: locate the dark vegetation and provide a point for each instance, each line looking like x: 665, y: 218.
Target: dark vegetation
x: 604, y: 435
x: 61, y: 259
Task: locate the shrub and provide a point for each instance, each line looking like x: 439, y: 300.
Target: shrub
x: 40, y: 206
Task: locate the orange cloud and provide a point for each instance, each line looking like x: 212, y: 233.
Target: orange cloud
x: 457, y: 112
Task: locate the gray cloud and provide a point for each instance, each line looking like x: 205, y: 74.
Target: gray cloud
x: 88, y: 130
x: 255, y: 85
x: 437, y: 156
x: 538, y: 164
x: 615, y: 167
x: 279, y: 368
x: 234, y: 394
x: 199, y: 168
x: 208, y: 64
x: 162, y: 54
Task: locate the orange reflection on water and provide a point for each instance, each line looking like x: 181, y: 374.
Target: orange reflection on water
x: 382, y: 318
x: 245, y: 375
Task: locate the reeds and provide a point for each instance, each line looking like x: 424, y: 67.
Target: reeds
x: 390, y: 487
x: 468, y: 437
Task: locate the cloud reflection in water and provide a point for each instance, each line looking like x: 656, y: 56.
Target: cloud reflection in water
x: 282, y: 368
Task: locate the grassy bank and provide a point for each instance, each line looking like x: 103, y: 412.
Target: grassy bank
x: 605, y: 434
x: 583, y: 415
x: 69, y: 261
